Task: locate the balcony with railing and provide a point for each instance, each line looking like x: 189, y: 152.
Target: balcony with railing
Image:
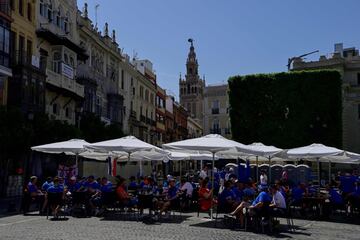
x: 23, y: 58
x: 215, y: 111
x: 64, y: 82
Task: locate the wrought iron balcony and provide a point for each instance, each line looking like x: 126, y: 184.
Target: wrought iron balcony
x: 215, y: 111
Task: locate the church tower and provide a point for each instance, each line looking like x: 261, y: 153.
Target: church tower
x: 192, y: 87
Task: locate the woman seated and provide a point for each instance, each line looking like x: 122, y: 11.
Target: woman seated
x: 125, y: 199
x: 205, y: 196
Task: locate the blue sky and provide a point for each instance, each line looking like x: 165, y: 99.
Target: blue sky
x: 232, y: 37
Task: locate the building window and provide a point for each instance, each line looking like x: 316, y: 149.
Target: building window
x: 152, y: 98
x: 146, y: 95
x: 21, y: 7
x: 50, y: 13
x: 57, y: 62
x: 42, y: 8
x: 132, y: 82
x: 12, y: 4
x: 215, y: 107
x: 358, y: 111
x: 29, y: 15
x: 358, y: 79
x: 67, y: 112
x: 141, y: 91
x: 4, y: 46
x: 122, y: 79
x: 28, y: 51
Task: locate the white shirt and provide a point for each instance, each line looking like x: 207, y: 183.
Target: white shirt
x: 188, y: 187
x: 203, y: 174
x: 279, y: 200
x: 263, y: 179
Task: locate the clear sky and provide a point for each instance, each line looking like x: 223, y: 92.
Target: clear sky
x: 232, y: 37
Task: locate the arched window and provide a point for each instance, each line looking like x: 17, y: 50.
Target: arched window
x: 188, y: 88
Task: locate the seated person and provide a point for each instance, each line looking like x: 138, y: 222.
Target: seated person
x: 227, y: 198
x: 186, y: 187
x: 238, y: 189
x: 310, y: 190
x: 255, y: 207
x: 297, y: 194
x: 354, y: 197
x: 205, y: 196
x: 133, y: 186
x: 124, y: 198
x: 31, y: 194
x: 335, y: 197
x: 171, y: 200
x: 72, y: 185
x: 347, y: 184
x: 261, y: 202
x: 91, y: 185
x: 249, y: 191
x: 47, y: 184
x: 55, y: 203
x: 278, y: 200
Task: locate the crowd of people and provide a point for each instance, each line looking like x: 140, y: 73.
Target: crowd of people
x: 228, y: 194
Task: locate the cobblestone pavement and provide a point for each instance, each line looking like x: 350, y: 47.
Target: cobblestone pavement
x: 187, y: 227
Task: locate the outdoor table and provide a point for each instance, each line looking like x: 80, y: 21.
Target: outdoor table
x: 317, y: 201
x: 145, y: 200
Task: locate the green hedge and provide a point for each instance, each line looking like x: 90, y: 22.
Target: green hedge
x: 287, y: 109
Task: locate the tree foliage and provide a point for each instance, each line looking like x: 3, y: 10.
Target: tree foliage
x: 287, y: 109
x: 18, y: 134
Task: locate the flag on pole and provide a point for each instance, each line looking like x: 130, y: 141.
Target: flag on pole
x: 114, y: 163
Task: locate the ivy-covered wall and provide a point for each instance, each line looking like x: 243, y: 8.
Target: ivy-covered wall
x: 287, y: 110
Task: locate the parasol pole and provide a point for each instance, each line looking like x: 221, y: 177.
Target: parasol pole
x: 212, y: 185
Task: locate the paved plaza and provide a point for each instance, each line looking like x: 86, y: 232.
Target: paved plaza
x: 186, y: 227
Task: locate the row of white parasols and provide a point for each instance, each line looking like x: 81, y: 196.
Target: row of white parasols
x: 209, y: 147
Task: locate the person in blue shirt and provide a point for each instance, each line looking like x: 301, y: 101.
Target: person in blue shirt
x: 249, y: 191
x: 171, y: 200
x: 32, y: 187
x: 238, y: 190
x: 91, y: 185
x: 347, y: 184
x: 55, y: 201
x: 227, y: 197
x: 47, y: 184
x: 335, y: 198
x: 106, y: 185
x: 133, y: 184
x: 262, y: 198
x: 297, y: 194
